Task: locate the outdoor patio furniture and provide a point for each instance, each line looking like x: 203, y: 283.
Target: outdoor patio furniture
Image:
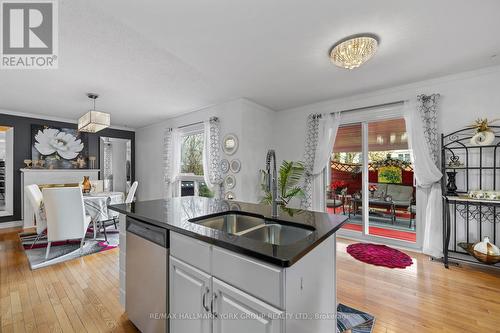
x: 335, y: 200
x: 392, y: 197
x: 412, y: 210
x: 356, y: 205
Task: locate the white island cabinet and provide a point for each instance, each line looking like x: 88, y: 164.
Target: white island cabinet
x: 216, y: 290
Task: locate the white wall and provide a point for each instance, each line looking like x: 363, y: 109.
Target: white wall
x: 251, y: 123
x: 464, y: 97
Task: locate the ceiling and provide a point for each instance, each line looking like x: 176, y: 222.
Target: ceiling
x: 153, y: 59
x: 383, y: 135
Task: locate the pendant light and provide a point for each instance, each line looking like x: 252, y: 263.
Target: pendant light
x: 94, y: 121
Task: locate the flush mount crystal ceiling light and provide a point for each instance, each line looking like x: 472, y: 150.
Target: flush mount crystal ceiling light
x: 353, y: 51
x: 94, y: 121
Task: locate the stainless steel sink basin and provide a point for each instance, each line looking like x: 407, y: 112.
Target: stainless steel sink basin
x: 231, y: 223
x: 278, y: 234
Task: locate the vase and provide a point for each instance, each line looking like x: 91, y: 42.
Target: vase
x: 451, y: 187
x: 86, y: 185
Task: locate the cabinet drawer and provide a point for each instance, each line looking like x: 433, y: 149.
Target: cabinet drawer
x: 253, y: 315
x: 256, y: 278
x: 194, y: 252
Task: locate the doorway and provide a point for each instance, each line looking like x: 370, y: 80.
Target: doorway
x: 371, y: 180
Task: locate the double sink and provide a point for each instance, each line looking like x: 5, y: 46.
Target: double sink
x: 255, y: 227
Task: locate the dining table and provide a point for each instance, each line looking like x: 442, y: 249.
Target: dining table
x: 96, y: 206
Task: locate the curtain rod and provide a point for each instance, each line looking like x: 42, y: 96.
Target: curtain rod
x: 372, y: 106
x: 197, y: 123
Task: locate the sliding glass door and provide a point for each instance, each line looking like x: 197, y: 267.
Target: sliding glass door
x: 344, y: 195
x: 371, y: 180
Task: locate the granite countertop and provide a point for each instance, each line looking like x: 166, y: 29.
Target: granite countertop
x: 174, y: 214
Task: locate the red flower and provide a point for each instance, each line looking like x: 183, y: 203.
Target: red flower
x: 338, y: 184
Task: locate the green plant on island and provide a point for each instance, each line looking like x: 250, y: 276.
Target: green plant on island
x: 289, y: 178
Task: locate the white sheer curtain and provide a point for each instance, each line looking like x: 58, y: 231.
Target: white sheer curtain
x: 211, y: 156
x: 326, y: 128
x: 428, y: 178
x: 171, y: 160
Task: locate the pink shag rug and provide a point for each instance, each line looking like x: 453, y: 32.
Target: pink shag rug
x: 379, y: 255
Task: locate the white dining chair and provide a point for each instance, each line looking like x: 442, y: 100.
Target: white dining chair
x: 129, y: 199
x: 35, y: 199
x: 66, y: 218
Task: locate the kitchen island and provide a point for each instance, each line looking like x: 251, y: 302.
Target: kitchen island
x: 230, y: 267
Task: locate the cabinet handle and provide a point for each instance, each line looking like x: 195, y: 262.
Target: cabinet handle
x: 203, y: 299
x: 212, y: 305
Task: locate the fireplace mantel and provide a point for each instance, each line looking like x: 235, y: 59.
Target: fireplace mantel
x: 49, y: 176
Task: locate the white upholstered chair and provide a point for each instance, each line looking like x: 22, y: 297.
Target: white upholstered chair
x: 35, y: 198
x: 66, y: 218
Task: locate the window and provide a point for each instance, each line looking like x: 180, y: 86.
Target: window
x: 191, y: 179
x: 192, y: 154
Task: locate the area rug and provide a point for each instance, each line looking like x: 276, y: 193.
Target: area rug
x: 379, y: 255
x: 66, y: 250
x: 354, y: 321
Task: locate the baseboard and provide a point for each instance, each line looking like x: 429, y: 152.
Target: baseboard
x: 11, y: 224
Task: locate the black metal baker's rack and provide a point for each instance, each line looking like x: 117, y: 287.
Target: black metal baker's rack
x: 477, y: 169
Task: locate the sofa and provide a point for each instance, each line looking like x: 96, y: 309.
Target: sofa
x: 402, y: 195
x: 402, y: 198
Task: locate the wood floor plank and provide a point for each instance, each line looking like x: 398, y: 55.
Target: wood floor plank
x: 82, y: 295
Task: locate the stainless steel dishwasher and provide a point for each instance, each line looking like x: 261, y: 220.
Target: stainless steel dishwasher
x: 146, y: 279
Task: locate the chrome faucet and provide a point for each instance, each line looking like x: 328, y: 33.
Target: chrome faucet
x: 272, y: 182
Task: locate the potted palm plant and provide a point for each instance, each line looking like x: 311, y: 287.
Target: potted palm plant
x: 289, y: 178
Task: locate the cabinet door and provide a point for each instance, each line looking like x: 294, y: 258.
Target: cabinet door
x: 190, y: 296
x: 236, y: 311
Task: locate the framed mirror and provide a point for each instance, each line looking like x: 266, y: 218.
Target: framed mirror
x: 6, y: 170
x: 230, y: 144
x: 115, y: 164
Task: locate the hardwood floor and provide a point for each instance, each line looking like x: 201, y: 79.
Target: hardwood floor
x: 75, y: 296
x: 82, y: 295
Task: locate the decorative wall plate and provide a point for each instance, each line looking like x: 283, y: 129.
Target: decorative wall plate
x: 229, y: 182
x: 235, y: 166
x: 230, y: 144
x: 224, y: 166
x: 229, y: 196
